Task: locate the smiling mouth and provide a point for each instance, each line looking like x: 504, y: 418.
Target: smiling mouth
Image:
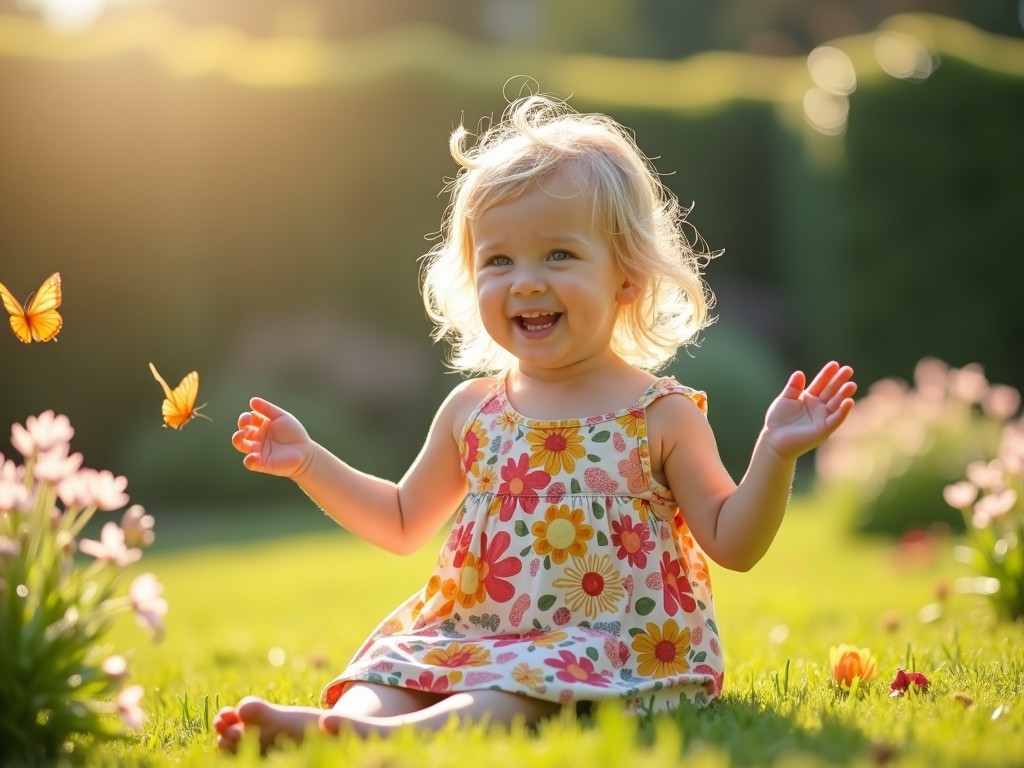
x: 538, y: 321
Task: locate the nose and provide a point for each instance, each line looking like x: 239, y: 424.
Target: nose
x: 526, y: 280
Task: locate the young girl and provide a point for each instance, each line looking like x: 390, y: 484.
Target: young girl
x: 586, y: 490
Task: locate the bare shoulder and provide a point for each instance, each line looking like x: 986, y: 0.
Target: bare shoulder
x: 676, y: 425
x: 464, y: 398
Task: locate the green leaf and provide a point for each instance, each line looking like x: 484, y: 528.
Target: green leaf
x: 644, y: 606
x: 602, y: 436
x: 597, y: 509
x: 592, y: 653
x: 602, y: 540
x: 574, y: 486
x: 545, y: 602
x: 521, y: 529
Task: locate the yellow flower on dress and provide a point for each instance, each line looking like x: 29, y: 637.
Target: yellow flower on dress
x: 471, y: 581
x: 851, y: 663
x: 593, y: 584
x: 459, y: 655
x: 555, y: 448
x: 530, y: 677
x: 439, y: 608
x: 488, y: 480
x: 561, y: 533
x: 550, y: 639
x: 661, y: 651
x: 633, y: 422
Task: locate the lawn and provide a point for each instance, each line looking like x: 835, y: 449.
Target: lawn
x: 256, y: 609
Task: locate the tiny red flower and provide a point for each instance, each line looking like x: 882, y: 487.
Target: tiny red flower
x: 908, y: 682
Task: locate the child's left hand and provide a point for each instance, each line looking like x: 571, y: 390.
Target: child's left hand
x: 803, y: 417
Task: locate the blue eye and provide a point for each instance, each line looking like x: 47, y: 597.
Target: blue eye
x: 499, y: 261
x: 559, y: 256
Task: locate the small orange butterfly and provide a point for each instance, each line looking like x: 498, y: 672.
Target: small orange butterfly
x: 39, y: 319
x: 179, y: 406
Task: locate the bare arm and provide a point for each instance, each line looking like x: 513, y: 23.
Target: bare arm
x: 735, y: 524
x: 399, y: 517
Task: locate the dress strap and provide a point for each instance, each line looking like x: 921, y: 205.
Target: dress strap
x: 669, y: 386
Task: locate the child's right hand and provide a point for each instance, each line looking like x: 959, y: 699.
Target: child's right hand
x: 272, y: 440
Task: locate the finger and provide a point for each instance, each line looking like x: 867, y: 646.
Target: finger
x: 795, y: 385
x: 846, y: 392
x: 825, y: 375
x: 245, y: 419
x: 266, y: 408
x: 839, y: 379
x: 252, y: 461
x: 837, y: 417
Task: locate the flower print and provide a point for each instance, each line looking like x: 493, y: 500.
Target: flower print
x: 446, y: 588
x: 714, y: 674
x: 599, y: 481
x: 633, y: 472
x: 643, y: 509
x: 619, y: 442
x: 633, y: 541
x: 850, y: 663
x: 459, y: 655
x: 661, y: 651
x: 576, y: 669
x: 506, y: 421
x: 494, y: 569
x: 555, y: 448
x: 675, y: 588
x: 593, y: 584
x: 459, y: 541
x: 520, y: 486
x: 487, y: 481
x: 471, y: 584
x: 633, y: 422
x: 556, y: 492
x: 427, y: 682
x: 539, y: 637
x: 472, y: 443
x: 561, y: 533
x: 529, y: 677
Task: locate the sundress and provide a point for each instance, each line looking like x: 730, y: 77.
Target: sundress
x: 569, y: 573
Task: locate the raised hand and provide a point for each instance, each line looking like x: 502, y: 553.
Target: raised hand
x: 803, y: 416
x: 273, y: 440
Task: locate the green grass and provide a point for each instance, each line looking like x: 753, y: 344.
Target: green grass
x: 279, y: 616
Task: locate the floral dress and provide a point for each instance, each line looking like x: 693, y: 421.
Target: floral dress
x: 569, y: 573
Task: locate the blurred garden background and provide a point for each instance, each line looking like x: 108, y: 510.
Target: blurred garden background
x: 244, y: 188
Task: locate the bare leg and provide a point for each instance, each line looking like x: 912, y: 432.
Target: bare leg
x: 496, y: 707
x: 275, y: 720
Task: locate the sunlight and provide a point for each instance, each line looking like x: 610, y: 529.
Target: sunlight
x: 73, y: 15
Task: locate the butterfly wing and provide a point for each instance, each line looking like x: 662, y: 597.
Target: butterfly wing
x: 42, y: 318
x: 179, y: 406
x: 19, y: 321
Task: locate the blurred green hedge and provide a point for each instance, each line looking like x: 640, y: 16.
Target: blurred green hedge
x: 265, y: 228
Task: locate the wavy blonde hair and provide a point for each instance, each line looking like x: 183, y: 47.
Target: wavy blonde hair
x: 644, y: 221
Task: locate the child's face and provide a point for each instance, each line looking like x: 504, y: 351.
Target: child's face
x: 548, y: 285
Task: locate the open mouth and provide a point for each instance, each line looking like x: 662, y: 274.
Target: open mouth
x: 535, y: 322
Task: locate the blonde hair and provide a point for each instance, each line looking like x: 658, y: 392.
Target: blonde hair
x: 643, y: 219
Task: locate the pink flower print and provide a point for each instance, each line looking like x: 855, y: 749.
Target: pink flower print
x: 475, y: 437
x: 494, y: 569
x: 520, y: 486
x: 492, y: 406
x: 676, y: 589
x: 718, y: 677
x: 599, y: 481
x: 534, y: 566
x: 616, y: 651
x: 653, y: 581
x: 633, y: 541
x: 462, y: 537
x: 696, y: 635
x: 556, y: 492
x: 562, y: 616
x: 519, y: 609
x: 427, y: 682
x: 576, y: 669
x: 619, y: 442
x: 633, y: 472
x: 506, y: 447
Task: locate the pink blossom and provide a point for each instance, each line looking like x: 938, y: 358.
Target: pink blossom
x: 54, y: 465
x: 1001, y: 401
x: 42, y: 433
x: 138, y: 527
x: 111, y: 547
x: 116, y: 668
x: 89, y: 488
x: 128, y: 708
x: 960, y: 495
x: 993, y: 506
x: 908, y: 682
x: 150, y: 606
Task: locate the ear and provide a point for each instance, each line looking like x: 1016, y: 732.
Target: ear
x: 628, y: 292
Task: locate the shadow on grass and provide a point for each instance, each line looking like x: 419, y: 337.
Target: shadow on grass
x: 755, y: 733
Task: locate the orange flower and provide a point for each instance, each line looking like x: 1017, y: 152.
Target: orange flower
x: 850, y: 663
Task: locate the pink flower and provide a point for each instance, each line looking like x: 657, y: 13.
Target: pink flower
x: 633, y: 541
x: 520, y: 486
x: 138, y: 527
x: 115, y: 668
x: 146, y: 594
x: 576, y: 669
x: 54, y: 465
x: 908, y: 682
x: 110, y: 548
x: 42, y: 433
x: 496, y: 569
x: 128, y: 708
x: 960, y: 495
x: 90, y: 488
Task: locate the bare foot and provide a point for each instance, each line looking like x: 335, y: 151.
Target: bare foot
x: 270, y: 720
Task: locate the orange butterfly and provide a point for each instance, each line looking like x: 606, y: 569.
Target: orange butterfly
x: 40, y: 321
x: 179, y: 406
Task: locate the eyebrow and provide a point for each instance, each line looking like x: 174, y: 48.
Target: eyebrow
x: 488, y: 245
